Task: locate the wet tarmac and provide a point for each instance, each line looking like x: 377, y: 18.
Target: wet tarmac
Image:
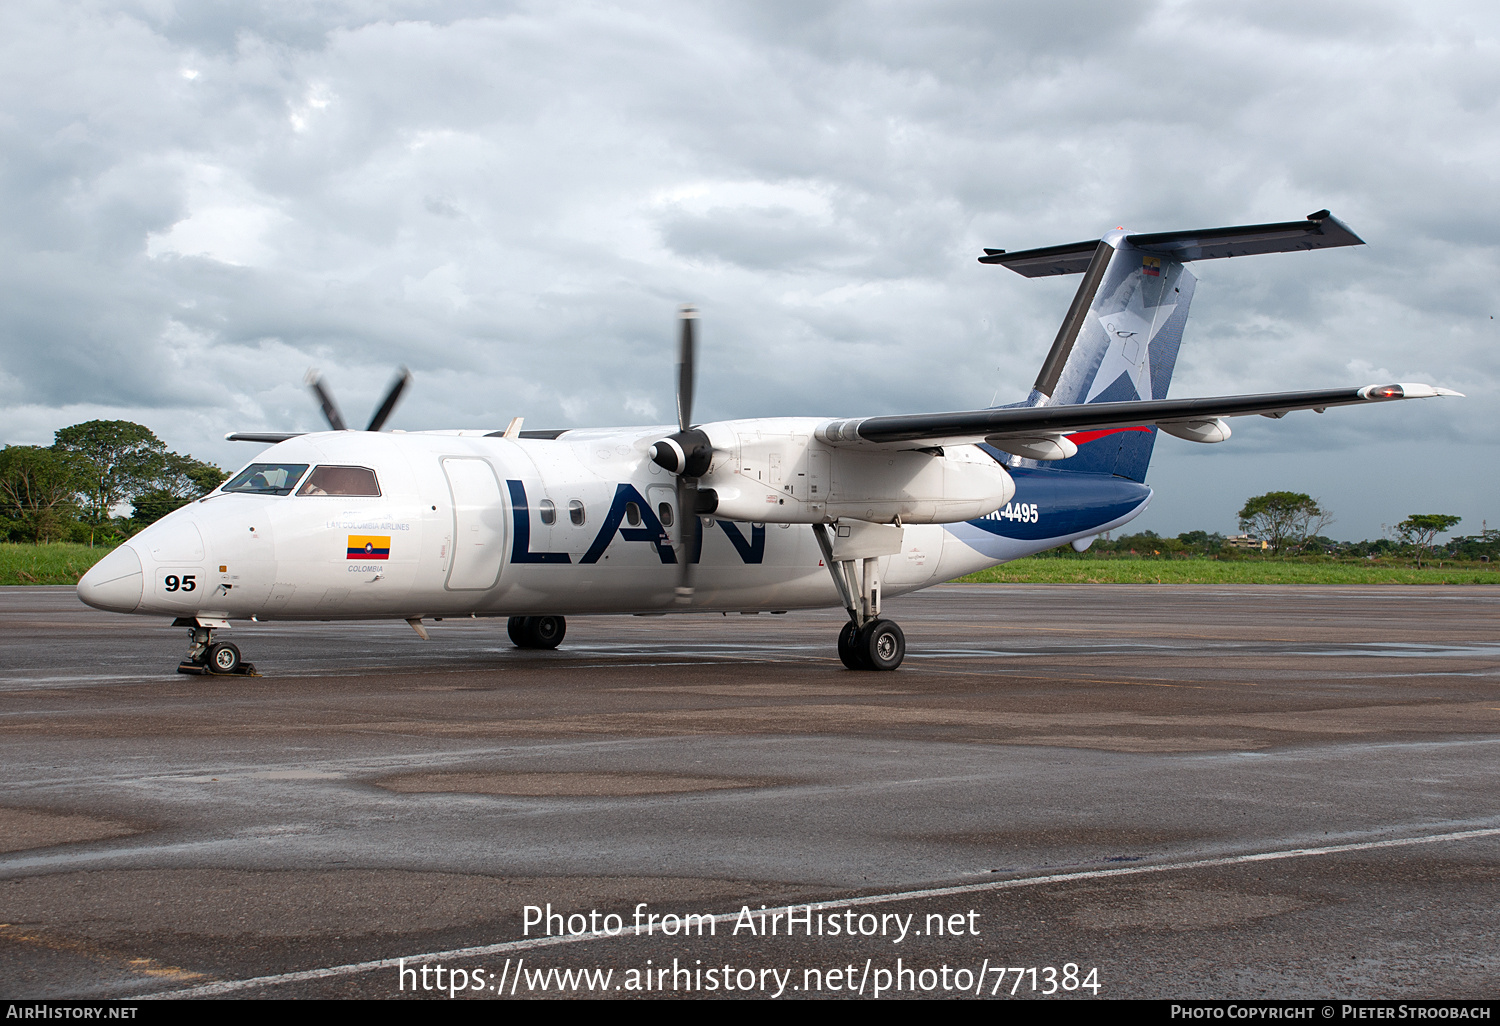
x: 1195, y: 791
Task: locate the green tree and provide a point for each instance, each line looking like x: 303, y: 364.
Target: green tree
x: 1420, y: 530
x: 1484, y: 545
x: 39, y: 490
x: 181, y: 479
x: 123, y: 458
x: 1284, y: 519
x: 1201, y: 541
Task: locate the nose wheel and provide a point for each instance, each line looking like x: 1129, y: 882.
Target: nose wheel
x: 536, y: 631
x: 223, y: 657
x: 205, y: 655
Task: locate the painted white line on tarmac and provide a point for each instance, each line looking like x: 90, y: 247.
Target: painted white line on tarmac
x: 505, y: 948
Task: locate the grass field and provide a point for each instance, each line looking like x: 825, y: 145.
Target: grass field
x: 1051, y: 570
x: 64, y: 563
x: 59, y: 563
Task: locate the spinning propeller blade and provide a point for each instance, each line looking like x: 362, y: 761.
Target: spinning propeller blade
x: 686, y: 359
x: 392, y: 397
x: 689, y: 530
x: 689, y: 454
x: 688, y: 526
x: 330, y: 408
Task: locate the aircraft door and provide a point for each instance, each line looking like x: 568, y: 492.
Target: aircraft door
x: 478, y: 524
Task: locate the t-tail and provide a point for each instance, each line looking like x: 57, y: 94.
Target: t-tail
x: 1119, y: 340
x: 1118, y: 343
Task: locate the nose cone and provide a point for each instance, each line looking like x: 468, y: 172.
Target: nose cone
x: 115, y: 583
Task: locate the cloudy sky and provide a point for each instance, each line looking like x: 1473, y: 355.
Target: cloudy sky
x: 201, y: 200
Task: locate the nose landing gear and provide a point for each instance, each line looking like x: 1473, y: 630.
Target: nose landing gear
x: 208, y: 656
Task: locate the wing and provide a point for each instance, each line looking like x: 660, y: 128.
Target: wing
x: 1029, y: 422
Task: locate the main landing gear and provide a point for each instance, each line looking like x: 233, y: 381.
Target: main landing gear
x: 866, y: 642
x: 536, y: 631
x: 205, y: 655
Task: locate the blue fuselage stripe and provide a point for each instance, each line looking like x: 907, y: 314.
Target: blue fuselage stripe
x: 1066, y: 504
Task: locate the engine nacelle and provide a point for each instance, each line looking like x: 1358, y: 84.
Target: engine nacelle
x: 777, y: 472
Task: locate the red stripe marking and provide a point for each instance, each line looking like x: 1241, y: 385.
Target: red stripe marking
x: 1084, y: 437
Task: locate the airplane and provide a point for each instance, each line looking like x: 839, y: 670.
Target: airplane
x: 735, y: 516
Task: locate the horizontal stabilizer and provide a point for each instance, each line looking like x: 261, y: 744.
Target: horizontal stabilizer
x: 1320, y: 230
x: 269, y: 437
x: 1072, y: 258
x: 1028, y: 422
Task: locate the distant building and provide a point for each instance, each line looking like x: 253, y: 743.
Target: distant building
x: 1246, y: 541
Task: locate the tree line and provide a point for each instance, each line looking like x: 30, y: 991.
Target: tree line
x: 1291, y: 523
x: 70, y: 490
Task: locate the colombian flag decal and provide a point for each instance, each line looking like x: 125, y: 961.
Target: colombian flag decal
x: 1151, y: 265
x: 369, y: 546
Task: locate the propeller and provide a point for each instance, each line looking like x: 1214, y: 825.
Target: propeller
x: 382, y: 413
x: 687, y: 453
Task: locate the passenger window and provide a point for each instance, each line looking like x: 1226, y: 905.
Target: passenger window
x: 632, y: 514
x: 548, y: 509
x: 575, y: 512
x: 664, y: 514
x: 341, y: 481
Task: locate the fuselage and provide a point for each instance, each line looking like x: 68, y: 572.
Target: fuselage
x: 467, y: 523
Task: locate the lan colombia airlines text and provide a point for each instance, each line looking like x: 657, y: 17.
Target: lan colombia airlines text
x: 758, y: 515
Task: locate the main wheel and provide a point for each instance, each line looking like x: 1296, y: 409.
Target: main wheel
x: 536, y: 631
x: 880, y: 645
x: 222, y: 657
x: 516, y: 628
x: 847, y: 653
x: 547, y: 631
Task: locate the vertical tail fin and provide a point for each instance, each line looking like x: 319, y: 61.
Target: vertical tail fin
x: 1118, y: 343
x: 1120, y: 338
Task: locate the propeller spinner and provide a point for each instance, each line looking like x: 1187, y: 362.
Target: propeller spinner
x: 688, y: 454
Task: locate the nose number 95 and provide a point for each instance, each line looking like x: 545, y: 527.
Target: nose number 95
x: 187, y: 582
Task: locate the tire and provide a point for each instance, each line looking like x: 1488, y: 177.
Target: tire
x: 547, y: 631
x: 881, y: 645
x: 516, y: 627
x: 222, y: 657
x: 536, y: 631
x: 847, y: 654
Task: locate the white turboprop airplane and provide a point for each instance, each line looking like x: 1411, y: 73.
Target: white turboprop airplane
x: 747, y: 516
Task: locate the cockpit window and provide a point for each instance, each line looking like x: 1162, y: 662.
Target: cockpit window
x: 267, y: 479
x: 341, y: 481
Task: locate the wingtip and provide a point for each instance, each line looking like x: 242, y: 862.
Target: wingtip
x: 1406, y: 390
x: 1421, y: 390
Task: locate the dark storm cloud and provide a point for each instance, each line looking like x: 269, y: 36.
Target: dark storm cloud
x: 202, y: 199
